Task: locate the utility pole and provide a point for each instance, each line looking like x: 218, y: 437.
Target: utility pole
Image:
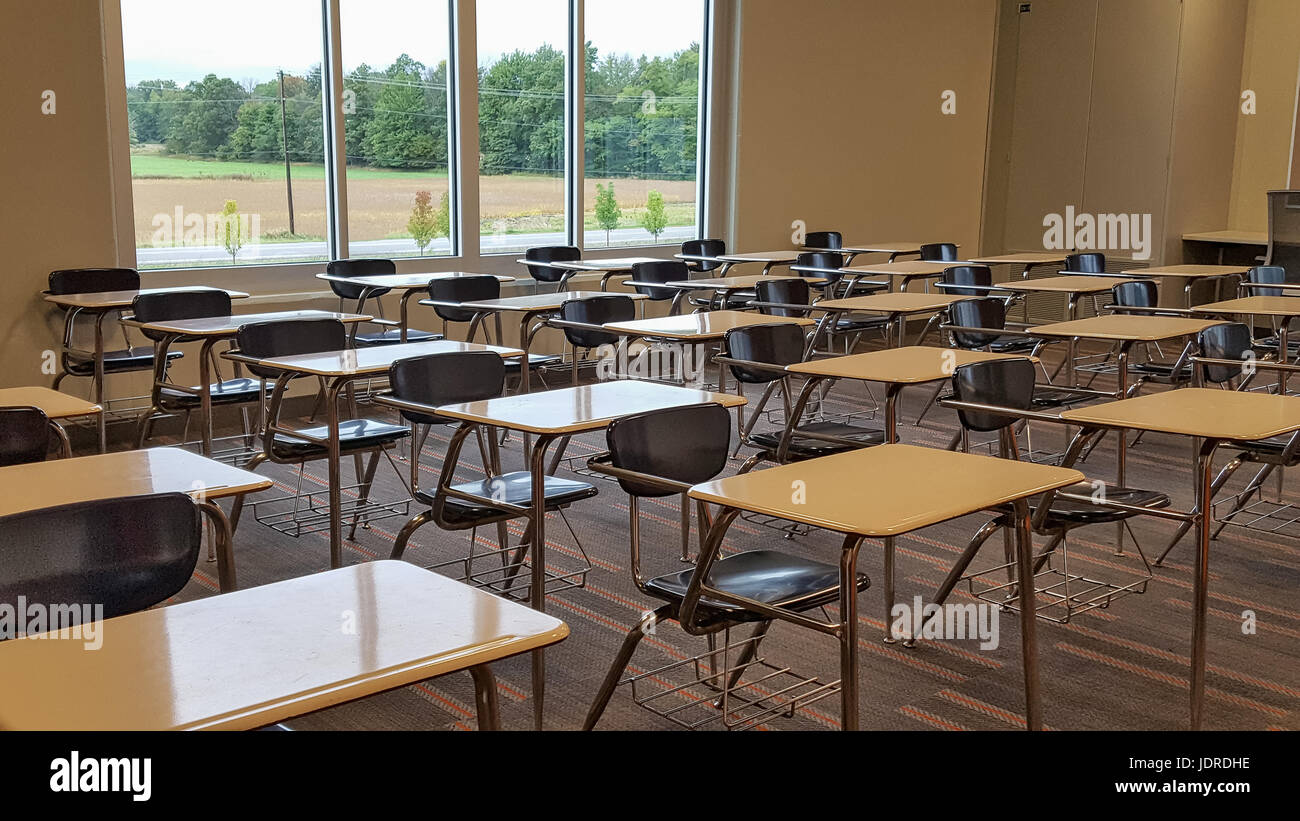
x: 284, y: 138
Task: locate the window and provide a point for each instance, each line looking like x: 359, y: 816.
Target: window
x: 227, y: 142
x: 642, y: 110
x: 231, y: 145
x: 521, y: 71
x: 396, y: 125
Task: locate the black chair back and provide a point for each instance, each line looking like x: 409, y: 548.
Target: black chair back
x: 126, y: 554
x: 358, y: 268
x: 939, y: 252
x: 832, y: 240
x: 1090, y: 262
x: 705, y: 248
x: 1268, y: 275
x: 1140, y: 293
x: 550, y: 253
x: 833, y: 261
x: 289, y: 337
x: 985, y: 312
x: 24, y: 436
x: 776, y: 344
x: 780, y: 289
x: 1231, y: 340
x: 446, y: 379
x: 596, y: 310
x: 93, y: 280
x: 980, y: 275
x: 462, y: 289
x: 167, y: 306
x: 687, y: 444
x: 666, y: 270
x: 1007, y: 383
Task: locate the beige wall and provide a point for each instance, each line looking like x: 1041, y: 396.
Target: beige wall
x: 1272, y: 58
x: 839, y: 123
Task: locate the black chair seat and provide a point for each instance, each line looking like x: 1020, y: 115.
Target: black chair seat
x: 1012, y: 344
x: 354, y: 434
x: 1265, y: 450
x: 1054, y: 399
x: 229, y: 392
x: 862, y: 324
x: 514, y: 488
x: 133, y: 359
x: 393, y: 336
x: 535, y: 360
x: 1160, y: 371
x: 779, y: 579
x: 805, y: 447
x: 736, y: 300
x: 1069, y: 513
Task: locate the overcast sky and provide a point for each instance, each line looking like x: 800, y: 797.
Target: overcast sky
x: 251, y: 39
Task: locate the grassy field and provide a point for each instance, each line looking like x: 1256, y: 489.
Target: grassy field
x: 379, y: 200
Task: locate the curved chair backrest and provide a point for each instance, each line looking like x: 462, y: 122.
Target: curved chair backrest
x: 776, y: 344
x: 780, y: 289
x: 833, y: 240
x: 93, y: 280
x: 984, y: 312
x: 980, y: 275
x: 664, y: 270
x: 550, y: 253
x: 687, y: 444
x: 705, y: 248
x: 1231, y: 340
x: 446, y: 379
x: 289, y: 337
x: 1212, y: 289
x: 126, y: 554
x: 462, y: 289
x: 1269, y: 275
x: 166, y: 306
x: 1140, y: 293
x: 24, y: 436
x: 1007, y: 383
x: 596, y: 310
x: 939, y: 252
x: 833, y: 261
x: 1090, y: 262
x: 358, y: 268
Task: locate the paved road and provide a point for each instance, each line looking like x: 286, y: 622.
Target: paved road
x: 490, y: 243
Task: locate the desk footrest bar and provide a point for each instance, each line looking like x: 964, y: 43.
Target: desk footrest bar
x: 1263, y: 516
x: 309, y: 512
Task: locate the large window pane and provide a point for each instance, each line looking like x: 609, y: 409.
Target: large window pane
x: 521, y: 46
x: 396, y: 121
x: 227, y: 142
x: 642, y: 115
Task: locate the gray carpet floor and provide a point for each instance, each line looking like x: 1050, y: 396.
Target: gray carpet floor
x: 1124, y: 667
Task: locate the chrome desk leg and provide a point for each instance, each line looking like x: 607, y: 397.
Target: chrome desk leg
x: 1201, y: 577
x: 1028, y: 620
x: 848, y: 632
x: 485, y: 697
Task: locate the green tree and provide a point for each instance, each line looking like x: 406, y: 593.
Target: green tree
x: 209, y: 119
x: 232, y: 233
x: 655, y: 219
x: 607, y: 211
x: 442, y: 218
x: 423, y: 223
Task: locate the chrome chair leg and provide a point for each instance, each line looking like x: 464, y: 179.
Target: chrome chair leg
x: 625, y: 651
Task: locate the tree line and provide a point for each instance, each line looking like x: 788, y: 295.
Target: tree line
x: 641, y: 115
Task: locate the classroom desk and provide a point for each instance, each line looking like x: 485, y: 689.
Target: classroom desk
x: 925, y: 486
x: 1251, y: 242
x: 529, y: 308
x: 99, y: 305
x: 341, y: 368
x: 1191, y: 273
x: 134, y: 473
x: 212, y: 330
x: 1030, y: 260
x: 1210, y: 417
x: 853, y: 249
x: 897, y: 306
x: 263, y: 655
x: 608, y: 268
x: 723, y: 287
x: 899, y: 273
x: 769, y: 259
x: 1073, y: 286
x: 558, y: 415
x: 408, y: 284
x: 56, y: 405
x: 1281, y: 308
